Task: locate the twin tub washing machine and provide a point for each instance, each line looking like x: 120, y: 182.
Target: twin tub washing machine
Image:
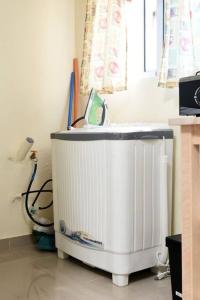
x: 112, y: 196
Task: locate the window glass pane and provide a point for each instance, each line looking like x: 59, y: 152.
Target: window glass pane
x: 151, y: 35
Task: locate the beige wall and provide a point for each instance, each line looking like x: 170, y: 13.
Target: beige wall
x: 37, y: 44
x: 143, y: 101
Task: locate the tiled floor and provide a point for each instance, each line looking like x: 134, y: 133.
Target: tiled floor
x: 27, y: 274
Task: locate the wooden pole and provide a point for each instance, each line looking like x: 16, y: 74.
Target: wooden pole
x: 76, y: 87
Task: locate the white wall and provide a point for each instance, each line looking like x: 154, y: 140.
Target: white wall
x: 37, y: 44
x: 143, y: 101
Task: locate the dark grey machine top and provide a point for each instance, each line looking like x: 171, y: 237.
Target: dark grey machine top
x: 131, y: 133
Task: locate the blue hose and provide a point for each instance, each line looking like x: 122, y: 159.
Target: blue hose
x: 41, y: 190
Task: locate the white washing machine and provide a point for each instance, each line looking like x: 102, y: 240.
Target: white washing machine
x: 112, y: 191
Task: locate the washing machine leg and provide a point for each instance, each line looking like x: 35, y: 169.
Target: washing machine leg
x: 62, y: 254
x: 120, y: 280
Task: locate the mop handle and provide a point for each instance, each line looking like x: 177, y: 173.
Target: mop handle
x: 71, y: 96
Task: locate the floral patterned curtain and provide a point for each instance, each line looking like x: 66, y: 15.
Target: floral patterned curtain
x: 182, y: 41
x: 104, y: 65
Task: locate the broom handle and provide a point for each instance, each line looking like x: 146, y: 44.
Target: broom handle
x: 70, y: 101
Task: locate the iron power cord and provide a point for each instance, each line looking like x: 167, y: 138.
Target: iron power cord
x: 77, y: 120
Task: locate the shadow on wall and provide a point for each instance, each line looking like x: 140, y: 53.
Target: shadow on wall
x: 143, y: 102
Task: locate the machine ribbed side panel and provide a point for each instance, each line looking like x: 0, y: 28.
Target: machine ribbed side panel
x: 146, y: 195
x: 82, y: 189
x: 111, y: 190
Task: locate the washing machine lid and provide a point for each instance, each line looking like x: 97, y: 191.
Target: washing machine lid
x: 136, y: 131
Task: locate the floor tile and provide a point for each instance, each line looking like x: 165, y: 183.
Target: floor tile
x: 29, y: 274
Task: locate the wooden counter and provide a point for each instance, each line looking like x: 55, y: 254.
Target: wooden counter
x: 190, y: 135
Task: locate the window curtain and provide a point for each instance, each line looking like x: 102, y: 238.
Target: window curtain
x: 104, y: 64
x: 181, y: 55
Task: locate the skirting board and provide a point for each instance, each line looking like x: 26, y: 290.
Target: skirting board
x: 13, y: 243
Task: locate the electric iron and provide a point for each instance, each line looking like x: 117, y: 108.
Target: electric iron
x: 96, y: 113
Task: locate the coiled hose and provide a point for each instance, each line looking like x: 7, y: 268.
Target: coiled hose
x: 38, y: 193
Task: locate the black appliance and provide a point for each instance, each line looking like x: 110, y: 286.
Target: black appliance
x: 189, y: 95
x: 174, y: 244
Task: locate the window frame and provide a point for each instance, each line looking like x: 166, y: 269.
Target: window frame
x: 160, y: 37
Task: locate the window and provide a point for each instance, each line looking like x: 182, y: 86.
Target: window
x: 153, y: 35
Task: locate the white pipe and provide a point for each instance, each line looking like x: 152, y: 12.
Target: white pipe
x: 24, y: 149
x: 162, y: 255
